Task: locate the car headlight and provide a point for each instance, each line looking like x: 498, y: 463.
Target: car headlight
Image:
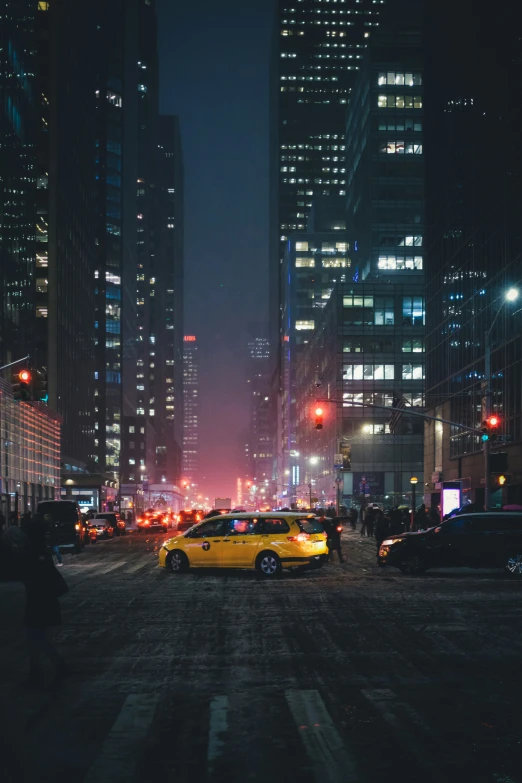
x: 391, y: 541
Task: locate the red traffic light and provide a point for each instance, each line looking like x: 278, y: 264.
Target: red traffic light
x: 318, y: 418
x: 493, y: 421
x: 24, y: 376
x: 318, y: 411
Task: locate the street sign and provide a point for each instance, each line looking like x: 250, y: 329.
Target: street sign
x: 338, y: 461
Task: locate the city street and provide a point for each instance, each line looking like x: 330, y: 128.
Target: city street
x: 347, y: 674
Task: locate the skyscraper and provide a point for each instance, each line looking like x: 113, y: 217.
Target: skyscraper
x: 168, y: 270
x: 317, y: 55
x: 191, y: 408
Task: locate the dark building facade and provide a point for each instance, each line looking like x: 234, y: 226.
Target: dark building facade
x: 474, y: 243
x: 73, y: 226
x: 19, y: 112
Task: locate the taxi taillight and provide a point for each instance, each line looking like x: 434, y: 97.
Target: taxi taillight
x: 300, y: 537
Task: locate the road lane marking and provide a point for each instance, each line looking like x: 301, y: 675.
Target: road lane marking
x: 119, y: 754
x: 137, y: 567
x: 388, y: 704
x: 218, y: 726
x: 112, y: 567
x: 322, y: 742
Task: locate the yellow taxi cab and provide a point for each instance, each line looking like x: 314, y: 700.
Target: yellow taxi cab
x: 267, y: 542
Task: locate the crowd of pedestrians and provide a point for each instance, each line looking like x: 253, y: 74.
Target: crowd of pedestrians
x: 374, y: 522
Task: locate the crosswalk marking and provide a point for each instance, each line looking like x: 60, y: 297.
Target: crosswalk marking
x: 112, y: 567
x: 137, y: 567
x: 323, y: 743
x: 405, y: 720
x: 218, y: 725
x: 118, y: 757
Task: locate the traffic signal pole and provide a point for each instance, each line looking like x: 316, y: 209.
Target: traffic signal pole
x: 408, y: 412
x: 13, y: 363
x: 487, y: 413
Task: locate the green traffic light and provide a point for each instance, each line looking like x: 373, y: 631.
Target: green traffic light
x: 485, y: 437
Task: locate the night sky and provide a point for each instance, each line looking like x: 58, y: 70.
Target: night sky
x: 214, y: 74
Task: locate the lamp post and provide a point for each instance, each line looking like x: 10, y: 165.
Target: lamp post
x: 511, y: 295
x: 413, y: 484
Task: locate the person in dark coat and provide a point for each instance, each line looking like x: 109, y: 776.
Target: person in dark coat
x: 382, y: 528
x: 421, y: 518
x: 52, y: 533
x: 334, y: 537
x: 363, y: 511
x: 370, y: 521
x: 43, y: 584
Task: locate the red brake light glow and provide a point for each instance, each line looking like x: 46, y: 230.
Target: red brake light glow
x: 300, y: 537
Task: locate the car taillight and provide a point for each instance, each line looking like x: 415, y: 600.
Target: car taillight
x: 339, y: 528
x: 300, y: 537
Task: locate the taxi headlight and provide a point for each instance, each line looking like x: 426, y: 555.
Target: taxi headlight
x: 391, y: 541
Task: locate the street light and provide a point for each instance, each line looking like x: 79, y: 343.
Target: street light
x: 413, y: 483
x: 511, y: 295
x: 313, y: 460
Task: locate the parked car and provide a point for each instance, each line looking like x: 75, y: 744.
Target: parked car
x: 476, y: 540
x: 70, y: 528
x: 114, y: 518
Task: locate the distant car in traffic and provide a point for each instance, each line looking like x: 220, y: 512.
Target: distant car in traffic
x: 187, y: 519
x: 152, y: 524
x: 114, y: 518
x: 476, y: 540
x: 264, y: 542
x: 104, y: 527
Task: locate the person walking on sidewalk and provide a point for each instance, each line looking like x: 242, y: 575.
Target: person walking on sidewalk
x: 334, y: 539
x: 362, y: 519
x: 52, y: 532
x: 370, y: 521
x: 43, y: 587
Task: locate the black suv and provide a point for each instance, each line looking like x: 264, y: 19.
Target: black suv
x: 70, y: 528
x: 480, y: 540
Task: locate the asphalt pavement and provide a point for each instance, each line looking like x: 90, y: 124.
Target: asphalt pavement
x: 348, y: 674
